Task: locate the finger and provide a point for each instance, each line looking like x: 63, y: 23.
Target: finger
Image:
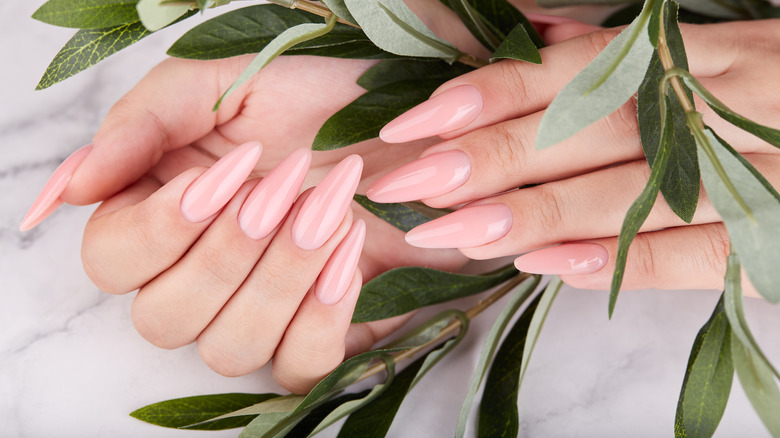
x: 126, y: 244
x: 676, y: 258
x: 247, y: 330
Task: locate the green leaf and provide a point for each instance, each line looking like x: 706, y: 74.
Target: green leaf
x: 498, y: 409
x: 394, y: 28
x: 87, y: 48
x: 759, y: 384
x: 187, y: 411
x: 519, y: 46
x: 659, y: 13
x: 285, y: 40
x: 708, y: 376
x: 602, y: 87
x: 489, y: 346
x: 397, y: 215
x: 277, y: 405
x: 753, y: 236
x: 680, y: 183
x: 250, y: 29
x: 87, y: 14
x: 537, y: 321
x: 156, y: 14
x: 502, y: 17
x: 641, y: 207
x: 402, y: 290
x: 401, y: 70
x: 307, y: 425
x: 339, y: 8
x: 715, y: 8
x: 475, y: 24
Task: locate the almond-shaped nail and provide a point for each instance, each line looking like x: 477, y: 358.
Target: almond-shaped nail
x: 272, y: 197
x: 212, y: 190
x: 324, y: 209
x: 465, y: 228
x: 567, y: 258
x: 450, y: 110
x: 49, y: 198
x: 337, y: 274
x: 425, y: 178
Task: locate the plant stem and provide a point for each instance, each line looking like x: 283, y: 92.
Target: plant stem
x: 668, y: 63
x: 454, y: 325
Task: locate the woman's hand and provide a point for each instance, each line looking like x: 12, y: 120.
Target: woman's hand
x: 586, y: 183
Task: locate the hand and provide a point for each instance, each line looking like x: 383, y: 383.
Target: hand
x: 586, y: 184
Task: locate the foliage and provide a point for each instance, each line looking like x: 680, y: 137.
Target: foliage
x: 643, y: 60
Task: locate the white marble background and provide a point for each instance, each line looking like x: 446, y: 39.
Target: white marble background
x: 71, y: 364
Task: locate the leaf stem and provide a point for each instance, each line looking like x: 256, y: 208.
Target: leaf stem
x: 454, y: 325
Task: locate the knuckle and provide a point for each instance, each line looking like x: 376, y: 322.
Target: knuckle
x: 550, y: 211
x: 641, y: 263
x: 223, y: 355
x: 300, y: 370
x: 597, y: 41
x: 507, y: 154
x: 716, y: 250
x: 153, y: 328
x: 514, y: 89
x: 622, y: 123
x: 221, y: 269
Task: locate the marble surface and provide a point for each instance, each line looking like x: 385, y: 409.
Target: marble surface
x: 71, y: 364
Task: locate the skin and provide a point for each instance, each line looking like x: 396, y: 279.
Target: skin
x: 245, y: 302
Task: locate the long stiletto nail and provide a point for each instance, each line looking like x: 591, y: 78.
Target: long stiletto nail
x: 567, y: 258
x: 212, y: 190
x: 323, y: 210
x: 270, y: 200
x: 427, y: 177
x: 337, y: 274
x: 49, y: 198
x: 465, y: 228
x: 445, y: 112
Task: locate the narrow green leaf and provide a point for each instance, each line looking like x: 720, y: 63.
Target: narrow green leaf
x: 708, y: 377
x: 397, y: 215
x: 187, y: 411
x: 87, y: 14
x: 306, y: 426
x: 475, y: 24
x: 754, y: 237
x: 489, y: 346
x: 498, y: 410
x: 402, y: 290
x: 537, y: 321
x: 87, y: 48
x: 519, y: 46
x: 602, y: 87
x: 250, y: 29
x: 680, y: 183
x: 394, y: 28
x: 502, y: 17
x: 716, y: 8
x: 640, y: 209
x: 759, y: 384
x: 660, y: 13
x: 156, y: 14
x: 400, y: 70
x: 282, y: 404
x: 285, y: 40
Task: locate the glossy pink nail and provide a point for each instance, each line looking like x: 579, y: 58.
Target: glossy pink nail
x: 567, y: 258
x: 337, y: 274
x: 212, y: 190
x: 425, y: 178
x: 465, y: 228
x: 49, y: 198
x: 450, y: 110
x: 269, y: 201
x: 324, y: 209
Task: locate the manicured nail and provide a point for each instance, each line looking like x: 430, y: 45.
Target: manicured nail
x: 324, y: 209
x: 548, y: 19
x: 337, y: 274
x: 269, y: 201
x: 445, y: 112
x: 465, y: 228
x: 567, y: 258
x: 425, y: 178
x: 212, y: 190
x: 49, y: 198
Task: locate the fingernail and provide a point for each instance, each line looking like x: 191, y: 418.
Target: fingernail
x: 465, y: 228
x: 567, y: 258
x: 337, y: 274
x: 445, y: 112
x: 212, y: 190
x: 425, y: 178
x: 49, y: 198
x: 327, y: 204
x: 549, y: 19
x: 269, y: 201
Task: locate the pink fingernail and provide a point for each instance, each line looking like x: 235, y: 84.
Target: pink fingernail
x: 465, y: 228
x: 337, y: 274
x: 212, y: 190
x: 427, y: 177
x: 567, y: 258
x: 324, y: 209
x: 549, y: 19
x: 445, y: 112
x: 49, y: 198
x: 269, y: 201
